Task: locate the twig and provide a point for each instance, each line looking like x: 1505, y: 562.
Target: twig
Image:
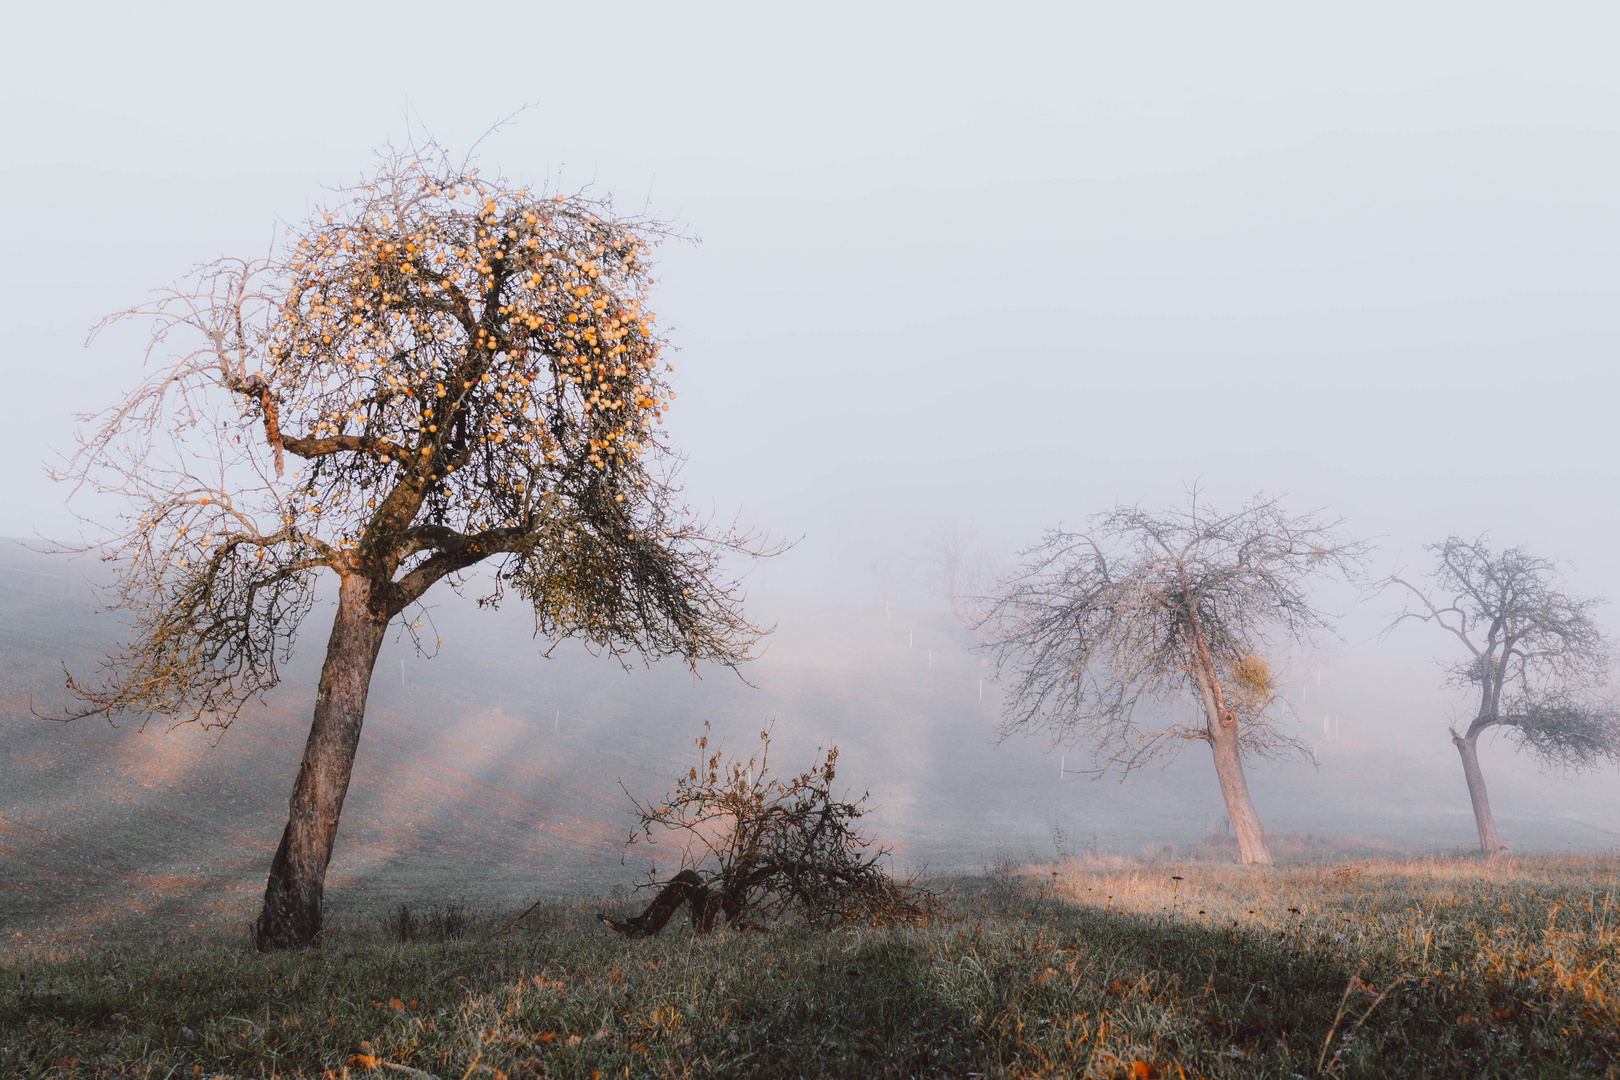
x: 507, y: 928
x: 1382, y: 995
x: 1357, y: 1027
x: 1349, y: 986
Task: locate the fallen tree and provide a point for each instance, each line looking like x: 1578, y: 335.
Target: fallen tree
x: 755, y: 850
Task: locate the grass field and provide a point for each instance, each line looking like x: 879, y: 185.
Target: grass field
x: 497, y: 770
x: 1101, y: 967
x: 130, y: 864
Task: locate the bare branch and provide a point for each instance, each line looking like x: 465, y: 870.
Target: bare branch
x: 752, y: 845
x: 1103, y: 633
x: 1535, y: 653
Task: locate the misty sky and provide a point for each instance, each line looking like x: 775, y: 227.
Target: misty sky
x: 996, y: 265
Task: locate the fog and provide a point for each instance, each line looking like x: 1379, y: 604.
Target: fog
x: 995, y: 268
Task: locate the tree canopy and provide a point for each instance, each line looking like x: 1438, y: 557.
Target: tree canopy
x: 1098, y: 624
x: 1532, y: 649
x: 435, y: 370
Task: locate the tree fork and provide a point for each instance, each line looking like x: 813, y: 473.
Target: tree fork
x: 293, y: 895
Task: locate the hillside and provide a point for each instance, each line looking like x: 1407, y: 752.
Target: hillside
x: 490, y: 771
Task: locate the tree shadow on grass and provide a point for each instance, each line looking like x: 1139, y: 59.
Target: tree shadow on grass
x: 1021, y: 983
x: 1241, y: 1000
x: 869, y: 1012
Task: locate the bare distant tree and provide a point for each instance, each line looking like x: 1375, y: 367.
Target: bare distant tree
x: 959, y: 570
x: 1147, y: 605
x: 462, y: 371
x: 1536, y: 657
x: 889, y: 569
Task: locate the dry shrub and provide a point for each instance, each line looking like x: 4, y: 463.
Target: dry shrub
x: 440, y: 922
x: 758, y: 848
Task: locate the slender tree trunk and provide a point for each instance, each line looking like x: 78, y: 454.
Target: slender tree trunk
x: 1467, y: 746
x: 1222, y: 727
x: 1251, y: 836
x: 292, y: 897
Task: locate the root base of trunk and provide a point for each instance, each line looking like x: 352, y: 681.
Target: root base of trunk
x: 685, y: 887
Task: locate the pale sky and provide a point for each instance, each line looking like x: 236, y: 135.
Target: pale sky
x: 998, y: 264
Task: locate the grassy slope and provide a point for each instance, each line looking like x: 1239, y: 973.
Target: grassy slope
x: 1083, y: 968
x: 492, y: 773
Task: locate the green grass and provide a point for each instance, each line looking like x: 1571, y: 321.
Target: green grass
x: 1081, y: 968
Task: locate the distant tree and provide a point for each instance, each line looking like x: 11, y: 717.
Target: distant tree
x: 1146, y: 606
x: 1534, y: 654
x: 889, y: 569
x: 959, y: 570
x: 465, y: 372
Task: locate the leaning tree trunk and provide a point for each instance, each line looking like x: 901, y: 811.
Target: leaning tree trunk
x: 1221, y: 726
x: 1467, y: 746
x: 685, y: 888
x: 292, y: 897
x: 1251, y: 836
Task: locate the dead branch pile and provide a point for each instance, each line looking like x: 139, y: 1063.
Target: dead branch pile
x: 755, y: 850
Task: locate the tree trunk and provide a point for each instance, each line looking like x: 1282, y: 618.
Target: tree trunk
x: 292, y: 897
x: 685, y: 887
x: 1467, y: 746
x: 1251, y: 836
x: 1222, y: 728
